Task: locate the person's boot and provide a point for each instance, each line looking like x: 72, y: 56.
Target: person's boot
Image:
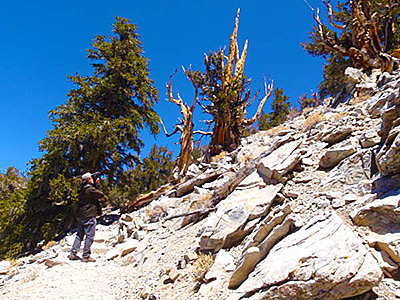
x: 73, y: 256
x: 88, y: 259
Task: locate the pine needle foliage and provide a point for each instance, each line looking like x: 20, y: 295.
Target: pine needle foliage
x: 12, y: 209
x: 280, y: 111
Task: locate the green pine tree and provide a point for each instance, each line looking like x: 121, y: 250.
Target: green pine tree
x: 98, y: 129
x: 12, y: 204
x: 154, y: 171
x: 280, y: 110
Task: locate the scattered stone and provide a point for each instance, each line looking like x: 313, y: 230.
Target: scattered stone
x: 113, y: 253
x: 338, y: 202
x: 388, y: 289
x: 172, y: 273
x: 139, y: 235
x: 126, y: 218
x: 337, y: 135
x: 350, y: 198
x: 308, y: 161
x: 223, y: 263
x: 355, y: 75
x: 52, y: 262
x: 388, y: 159
x: 303, y: 179
x: 280, y: 161
x: 149, y: 226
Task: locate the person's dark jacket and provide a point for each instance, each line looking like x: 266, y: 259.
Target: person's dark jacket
x: 89, y: 206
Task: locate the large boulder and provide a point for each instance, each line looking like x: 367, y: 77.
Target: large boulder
x: 388, y: 159
x: 270, y: 231
x: 382, y: 216
x: 337, y: 153
x: 325, y: 259
x: 280, y: 161
x: 349, y: 175
x: 236, y: 216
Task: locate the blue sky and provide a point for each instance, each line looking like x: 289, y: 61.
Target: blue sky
x: 44, y: 41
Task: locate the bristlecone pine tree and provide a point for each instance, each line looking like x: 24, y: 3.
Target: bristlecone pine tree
x: 186, y: 127
x: 280, y: 110
x: 363, y: 33
x: 225, y: 95
x: 96, y: 130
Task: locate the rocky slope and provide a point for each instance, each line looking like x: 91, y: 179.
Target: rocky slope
x: 308, y: 210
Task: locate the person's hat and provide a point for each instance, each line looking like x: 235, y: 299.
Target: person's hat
x: 86, y: 176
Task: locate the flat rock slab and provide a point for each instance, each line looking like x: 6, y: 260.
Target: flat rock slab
x: 349, y: 174
x: 388, y: 161
x: 338, y: 152
x: 227, y: 225
x: 382, y: 215
x: 388, y: 289
x: 325, y: 259
x: 280, y: 161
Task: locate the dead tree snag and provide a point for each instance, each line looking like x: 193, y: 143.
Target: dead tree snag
x: 186, y: 128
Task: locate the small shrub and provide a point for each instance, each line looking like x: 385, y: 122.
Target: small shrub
x: 201, y: 266
x: 276, y: 130
x: 219, y: 156
x: 313, y: 120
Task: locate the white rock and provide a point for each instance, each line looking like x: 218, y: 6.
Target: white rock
x: 312, y: 263
x: 230, y: 222
x: 113, y: 253
x: 129, y: 246
x: 4, y: 266
x: 338, y: 152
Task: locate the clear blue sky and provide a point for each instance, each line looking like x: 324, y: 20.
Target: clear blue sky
x: 44, y: 41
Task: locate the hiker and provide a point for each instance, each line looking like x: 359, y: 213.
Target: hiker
x: 89, y: 208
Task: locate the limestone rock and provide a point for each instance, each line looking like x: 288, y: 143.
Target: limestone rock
x: 228, y: 224
x: 52, y: 262
x: 381, y: 214
x: 280, y: 161
x: 337, y: 153
x: 337, y: 135
x: 255, y: 254
x: 172, y: 273
x: 252, y: 181
x: 312, y: 264
x: 111, y: 254
x: 369, y: 138
x: 354, y: 74
x: 4, y: 266
x: 388, y: 161
x: 129, y: 246
x: 223, y: 263
x: 349, y: 175
x: 388, y: 289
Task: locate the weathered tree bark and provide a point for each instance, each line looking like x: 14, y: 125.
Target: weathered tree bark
x: 230, y: 118
x: 186, y: 128
x: 363, y: 44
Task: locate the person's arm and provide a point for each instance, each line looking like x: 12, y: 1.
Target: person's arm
x: 94, y: 193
